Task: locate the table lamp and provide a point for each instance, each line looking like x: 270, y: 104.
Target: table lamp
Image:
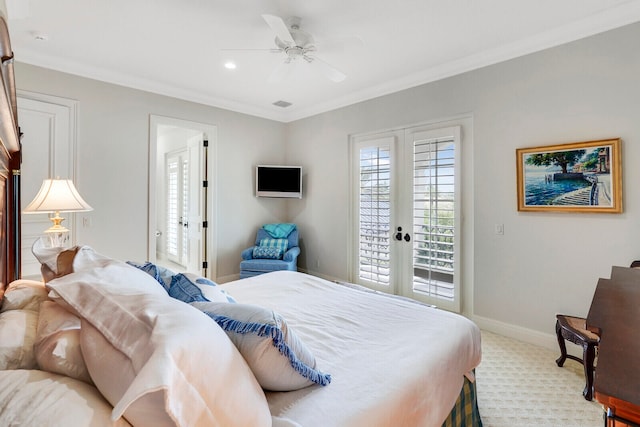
x: 55, y: 196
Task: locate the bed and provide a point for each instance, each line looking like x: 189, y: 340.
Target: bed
x: 124, y: 343
x: 396, y: 361
x: 103, y: 342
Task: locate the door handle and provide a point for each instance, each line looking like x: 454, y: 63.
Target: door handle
x: 399, y: 237
x: 399, y: 234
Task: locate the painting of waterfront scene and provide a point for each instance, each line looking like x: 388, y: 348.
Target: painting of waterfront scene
x: 576, y: 177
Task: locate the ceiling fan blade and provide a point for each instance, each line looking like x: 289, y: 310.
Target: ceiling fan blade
x: 280, y: 73
x: 279, y: 28
x: 271, y: 50
x: 327, y: 70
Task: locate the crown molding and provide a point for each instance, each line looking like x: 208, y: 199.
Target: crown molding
x: 624, y: 14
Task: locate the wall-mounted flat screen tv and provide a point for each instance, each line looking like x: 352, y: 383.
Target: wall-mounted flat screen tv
x: 279, y: 181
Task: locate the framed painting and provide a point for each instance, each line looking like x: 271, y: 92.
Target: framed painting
x: 575, y: 177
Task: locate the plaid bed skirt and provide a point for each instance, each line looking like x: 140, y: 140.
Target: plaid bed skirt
x: 465, y: 412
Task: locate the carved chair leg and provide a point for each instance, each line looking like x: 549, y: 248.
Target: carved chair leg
x: 588, y: 356
x: 563, y: 348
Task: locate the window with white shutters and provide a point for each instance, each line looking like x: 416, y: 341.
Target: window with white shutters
x: 375, y: 214
x: 184, y: 220
x: 434, y: 217
x: 172, y: 207
x: 406, y: 204
x: 177, y: 208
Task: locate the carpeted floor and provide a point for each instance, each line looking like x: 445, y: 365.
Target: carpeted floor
x: 519, y: 384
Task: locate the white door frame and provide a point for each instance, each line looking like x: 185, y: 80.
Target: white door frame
x: 464, y: 292
x: 211, y: 132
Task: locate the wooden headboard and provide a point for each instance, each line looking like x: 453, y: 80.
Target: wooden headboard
x: 9, y: 166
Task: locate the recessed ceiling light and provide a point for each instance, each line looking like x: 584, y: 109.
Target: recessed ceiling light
x: 230, y: 65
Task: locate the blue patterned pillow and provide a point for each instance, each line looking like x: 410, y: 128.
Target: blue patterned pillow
x: 264, y: 252
x: 188, y: 287
x: 161, y: 274
x: 281, y: 244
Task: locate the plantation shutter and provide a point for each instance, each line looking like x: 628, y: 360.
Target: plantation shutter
x: 374, y: 213
x: 184, y: 220
x: 434, y: 217
x: 172, y: 208
x: 406, y: 208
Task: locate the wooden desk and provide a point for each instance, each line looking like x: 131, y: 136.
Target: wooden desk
x: 615, y: 316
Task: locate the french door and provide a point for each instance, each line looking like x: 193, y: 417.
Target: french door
x: 177, y: 171
x: 406, y: 202
x: 184, y: 205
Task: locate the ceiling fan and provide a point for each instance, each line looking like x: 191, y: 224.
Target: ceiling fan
x: 297, y: 46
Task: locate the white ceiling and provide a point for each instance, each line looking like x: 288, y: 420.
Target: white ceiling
x: 174, y: 47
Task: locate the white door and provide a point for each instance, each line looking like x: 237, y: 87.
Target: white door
x: 430, y: 205
x: 185, y: 205
x: 48, y: 125
x: 177, y: 197
x: 407, y: 213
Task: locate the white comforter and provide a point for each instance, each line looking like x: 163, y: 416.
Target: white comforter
x: 394, y: 362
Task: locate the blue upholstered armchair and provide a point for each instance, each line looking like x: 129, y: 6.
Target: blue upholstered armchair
x: 264, y: 256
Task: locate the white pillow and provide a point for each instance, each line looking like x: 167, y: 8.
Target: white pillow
x: 24, y: 295
x: 278, y: 358
x: 148, y: 353
x: 17, y: 335
x: 38, y: 398
x: 57, y: 344
x: 132, y: 282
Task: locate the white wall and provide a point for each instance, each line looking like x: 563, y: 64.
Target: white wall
x: 112, y: 155
x: 545, y: 263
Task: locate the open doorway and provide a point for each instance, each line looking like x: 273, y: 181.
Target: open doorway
x: 181, y: 206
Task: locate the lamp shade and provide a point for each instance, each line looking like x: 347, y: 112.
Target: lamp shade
x: 57, y: 195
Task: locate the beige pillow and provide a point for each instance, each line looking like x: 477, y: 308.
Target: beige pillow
x: 24, y: 295
x: 38, y: 398
x: 150, y: 354
x: 103, y: 359
x: 17, y: 335
x: 57, y: 343
x: 54, y: 261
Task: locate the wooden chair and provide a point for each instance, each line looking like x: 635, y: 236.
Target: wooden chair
x: 574, y: 329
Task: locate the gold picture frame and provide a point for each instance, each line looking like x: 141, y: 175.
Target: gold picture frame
x: 574, y: 177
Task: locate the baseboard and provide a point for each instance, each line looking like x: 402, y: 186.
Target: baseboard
x: 229, y: 278
x: 322, y: 276
x: 517, y: 332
